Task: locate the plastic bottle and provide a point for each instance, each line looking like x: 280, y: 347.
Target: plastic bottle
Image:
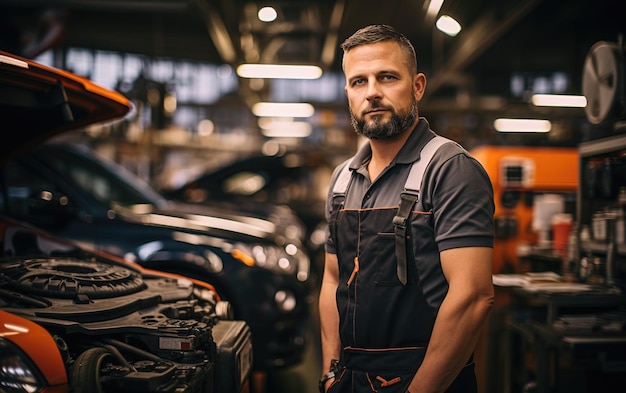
x: 570, y: 263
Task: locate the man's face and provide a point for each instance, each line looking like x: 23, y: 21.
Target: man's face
x: 382, y: 93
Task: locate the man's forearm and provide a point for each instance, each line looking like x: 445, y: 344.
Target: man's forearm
x: 329, y: 316
x: 454, y: 338
x: 329, y: 324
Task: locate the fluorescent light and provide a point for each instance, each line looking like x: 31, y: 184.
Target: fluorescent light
x: 560, y: 100
x: 448, y: 25
x: 522, y: 125
x: 282, y: 128
x: 278, y: 71
x: 287, y: 109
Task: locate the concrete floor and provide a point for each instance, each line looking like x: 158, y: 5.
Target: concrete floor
x: 304, y: 377
x: 300, y: 378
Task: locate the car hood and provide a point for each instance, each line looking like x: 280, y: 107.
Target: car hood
x: 185, y: 217
x: 279, y: 219
x: 42, y: 101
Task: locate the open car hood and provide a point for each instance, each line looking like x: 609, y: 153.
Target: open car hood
x: 37, y: 102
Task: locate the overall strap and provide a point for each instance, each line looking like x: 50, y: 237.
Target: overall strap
x: 339, y: 193
x: 408, y: 198
x: 341, y: 183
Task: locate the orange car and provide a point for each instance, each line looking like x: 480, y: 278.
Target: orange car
x: 74, y: 320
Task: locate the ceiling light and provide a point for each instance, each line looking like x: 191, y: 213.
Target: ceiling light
x: 560, y: 100
x: 278, y: 71
x: 267, y: 14
x: 448, y: 25
x: 522, y: 125
x: 282, y: 128
x: 206, y: 127
x: 282, y: 109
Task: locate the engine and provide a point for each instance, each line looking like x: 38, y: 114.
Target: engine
x: 126, y: 331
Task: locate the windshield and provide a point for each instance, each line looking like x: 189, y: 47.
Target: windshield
x: 105, y: 181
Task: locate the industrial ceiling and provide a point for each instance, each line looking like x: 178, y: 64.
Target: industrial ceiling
x: 471, y: 72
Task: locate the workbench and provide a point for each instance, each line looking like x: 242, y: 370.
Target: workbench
x: 565, y: 337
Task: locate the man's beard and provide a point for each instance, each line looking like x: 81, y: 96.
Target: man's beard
x: 379, y: 130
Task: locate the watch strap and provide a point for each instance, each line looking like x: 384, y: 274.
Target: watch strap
x: 332, y: 373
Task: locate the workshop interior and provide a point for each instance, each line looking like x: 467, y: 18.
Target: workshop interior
x: 211, y: 131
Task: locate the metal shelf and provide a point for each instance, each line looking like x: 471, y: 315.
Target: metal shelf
x: 600, y: 247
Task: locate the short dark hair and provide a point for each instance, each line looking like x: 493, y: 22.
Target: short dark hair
x: 377, y: 33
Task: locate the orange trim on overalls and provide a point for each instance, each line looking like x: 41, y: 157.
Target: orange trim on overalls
x: 385, y: 383
x: 355, y: 270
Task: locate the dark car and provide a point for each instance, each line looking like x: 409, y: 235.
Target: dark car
x: 296, y: 179
x: 256, y: 264
x: 73, y: 319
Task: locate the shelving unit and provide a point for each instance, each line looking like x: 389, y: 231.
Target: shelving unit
x: 602, y: 173
x: 555, y: 340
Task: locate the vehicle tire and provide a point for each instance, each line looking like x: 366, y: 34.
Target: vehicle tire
x: 86, y: 373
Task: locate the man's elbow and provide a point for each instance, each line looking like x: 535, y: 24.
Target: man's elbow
x: 486, y: 301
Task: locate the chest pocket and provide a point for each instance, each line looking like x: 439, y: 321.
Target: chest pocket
x: 405, y: 244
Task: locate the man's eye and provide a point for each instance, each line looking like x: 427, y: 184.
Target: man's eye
x: 358, y: 82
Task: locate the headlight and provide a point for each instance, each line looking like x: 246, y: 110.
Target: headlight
x: 17, y: 373
x: 285, y: 300
x: 274, y: 258
x: 289, y: 260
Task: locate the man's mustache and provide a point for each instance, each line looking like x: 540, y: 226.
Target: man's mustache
x: 377, y: 106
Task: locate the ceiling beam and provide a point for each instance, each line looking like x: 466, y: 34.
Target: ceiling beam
x: 116, y: 5
x: 218, y: 32
x: 476, y: 40
x: 330, y: 43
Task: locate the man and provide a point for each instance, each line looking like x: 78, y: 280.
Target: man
x: 386, y: 325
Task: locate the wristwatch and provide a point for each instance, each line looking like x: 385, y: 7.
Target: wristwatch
x: 332, y: 373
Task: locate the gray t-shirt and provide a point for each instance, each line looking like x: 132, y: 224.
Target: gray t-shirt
x: 456, y: 190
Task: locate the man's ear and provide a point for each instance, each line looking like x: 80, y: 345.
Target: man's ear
x: 419, y: 85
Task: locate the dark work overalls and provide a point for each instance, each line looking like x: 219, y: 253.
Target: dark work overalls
x: 384, y: 325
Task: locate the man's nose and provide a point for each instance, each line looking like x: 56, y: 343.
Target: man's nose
x: 374, y: 91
